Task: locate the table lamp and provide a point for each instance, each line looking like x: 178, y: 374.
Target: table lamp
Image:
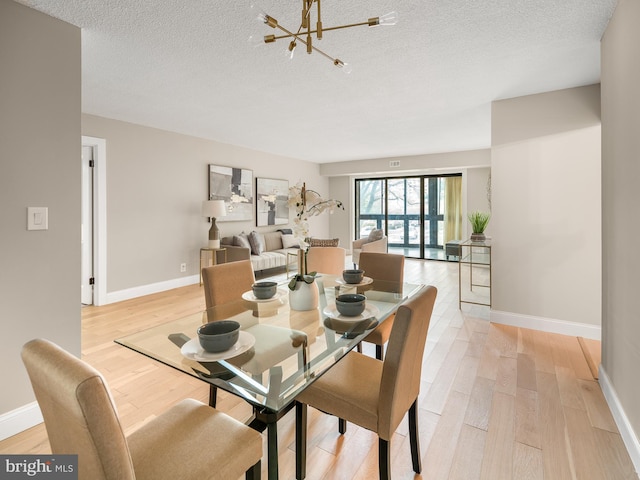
x: 214, y: 209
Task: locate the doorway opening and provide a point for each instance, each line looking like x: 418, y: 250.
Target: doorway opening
x: 93, y: 279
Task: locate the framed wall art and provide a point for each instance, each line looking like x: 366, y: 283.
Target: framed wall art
x: 272, y: 198
x: 235, y: 187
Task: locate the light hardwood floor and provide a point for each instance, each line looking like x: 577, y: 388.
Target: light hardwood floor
x: 496, y: 403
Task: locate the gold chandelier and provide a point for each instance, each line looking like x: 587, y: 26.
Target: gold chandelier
x: 305, y: 31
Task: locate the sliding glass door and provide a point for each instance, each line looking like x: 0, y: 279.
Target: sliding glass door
x: 411, y: 210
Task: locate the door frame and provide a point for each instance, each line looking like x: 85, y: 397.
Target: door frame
x: 99, y: 217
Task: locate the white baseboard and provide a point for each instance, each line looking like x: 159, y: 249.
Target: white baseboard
x: 624, y: 426
x: 547, y: 324
x: 142, y: 290
x: 20, y: 419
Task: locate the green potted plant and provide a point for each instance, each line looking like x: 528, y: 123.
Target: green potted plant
x: 479, y: 221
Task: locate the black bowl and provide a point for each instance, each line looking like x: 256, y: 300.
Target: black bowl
x: 353, y: 276
x: 350, y: 304
x: 219, y: 336
x: 264, y: 290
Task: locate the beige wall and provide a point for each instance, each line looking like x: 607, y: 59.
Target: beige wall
x: 439, y: 162
x: 620, y: 201
x: 475, y: 186
x: 340, y: 223
x: 156, y: 181
x: 39, y: 166
x: 546, y: 224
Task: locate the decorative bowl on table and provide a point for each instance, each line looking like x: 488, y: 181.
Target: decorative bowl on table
x: 353, y: 275
x: 264, y: 290
x: 218, y: 336
x: 350, y: 304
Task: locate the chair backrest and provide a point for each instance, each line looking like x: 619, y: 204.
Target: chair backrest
x: 227, y: 282
x: 79, y: 413
x: 326, y: 260
x: 387, y: 269
x: 402, y: 367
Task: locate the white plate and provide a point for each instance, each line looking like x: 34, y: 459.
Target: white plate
x: 365, y: 281
x: 370, y: 311
x: 249, y: 296
x: 193, y: 351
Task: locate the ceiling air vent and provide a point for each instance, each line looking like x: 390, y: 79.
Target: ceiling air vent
x: 394, y: 163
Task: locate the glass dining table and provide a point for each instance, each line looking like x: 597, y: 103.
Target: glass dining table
x: 279, y: 352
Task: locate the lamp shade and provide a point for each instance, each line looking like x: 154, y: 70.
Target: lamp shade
x: 213, y: 208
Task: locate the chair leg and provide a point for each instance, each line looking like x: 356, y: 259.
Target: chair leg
x: 301, y: 441
x: 213, y: 395
x: 384, y: 457
x: 255, y: 472
x: 379, y: 350
x: 342, y: 426
x: 413, y: 437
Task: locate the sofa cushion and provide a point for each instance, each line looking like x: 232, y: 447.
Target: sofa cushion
x: 289, y: 241
x: 324, y: 242
x: 272, y: 241
x: 241, y: 240
x: 375, y: 234
x: 257, y: 243
x: 268, y: 260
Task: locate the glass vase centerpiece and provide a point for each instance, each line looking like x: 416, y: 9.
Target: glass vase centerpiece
x: 306, y: 203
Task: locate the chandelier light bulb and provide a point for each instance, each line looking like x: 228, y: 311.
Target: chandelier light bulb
x: 258, y: 13
x: 262, y: 16
x: 290, y: 50
x: 390, y: 18
x: 256, y: 40
x: 344, y: 67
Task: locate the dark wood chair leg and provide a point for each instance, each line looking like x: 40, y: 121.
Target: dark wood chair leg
x: 342, y: 426
x: 255, y: 472
x: 413, y: 437
x: 384, y: 459
x: 213, y: 395
x: 301, y: 441
x: 379, y: 350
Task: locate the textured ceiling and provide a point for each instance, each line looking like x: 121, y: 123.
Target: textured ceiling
x: 423, y: 86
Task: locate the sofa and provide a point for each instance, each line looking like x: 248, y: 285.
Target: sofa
x: 376, y: 241
x: 265, y: 249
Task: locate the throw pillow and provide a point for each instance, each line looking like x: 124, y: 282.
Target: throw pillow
x: 375, y: 234
x: 324, y: 242
x: 241, y: 241
x: 257, y: 243
x: 289, y: 241
x: 285, y: 231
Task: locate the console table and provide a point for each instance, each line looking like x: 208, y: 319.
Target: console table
x: 475, y: 262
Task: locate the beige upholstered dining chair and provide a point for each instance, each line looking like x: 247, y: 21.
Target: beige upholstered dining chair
x: 227, y: 282
x: 329, y: 260
x: 374, y: 394
x: 387, y: 269
x: 189, y: 441
x: 224, y: 285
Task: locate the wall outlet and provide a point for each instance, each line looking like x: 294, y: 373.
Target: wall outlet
x: 183, y: 267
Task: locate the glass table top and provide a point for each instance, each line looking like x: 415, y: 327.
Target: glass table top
x: 280, y: 350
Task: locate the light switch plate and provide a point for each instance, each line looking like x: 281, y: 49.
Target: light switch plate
x: 37, y: 218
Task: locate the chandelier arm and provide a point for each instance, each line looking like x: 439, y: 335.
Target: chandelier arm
x: 297, y: 35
